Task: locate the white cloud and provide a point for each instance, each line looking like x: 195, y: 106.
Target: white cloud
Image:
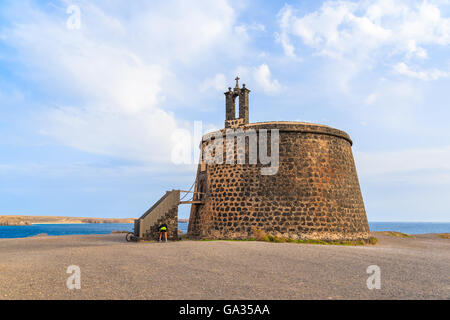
x: 257, y: 27
x: 259, y: 77
x: 345, y: 28
x: 243, y: 30
x: 115, y: 73
x: 427, y: 75
x: 414, y: 50
x: 263, y: 78
x: 371, y: 98
x: 366, y: 32
x: 284, y: 20
x: 99, y: 170
x: 142, y: 136
x: 218, y: 82
x: 393, y: 105
x: 424, y: 165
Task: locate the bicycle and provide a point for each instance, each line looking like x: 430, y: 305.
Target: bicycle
x: 131, y: 237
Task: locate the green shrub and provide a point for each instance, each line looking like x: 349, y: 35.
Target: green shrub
x: 259, y: 234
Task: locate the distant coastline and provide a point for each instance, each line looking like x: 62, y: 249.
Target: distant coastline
x: 61, y: 226
x: 17, y: 220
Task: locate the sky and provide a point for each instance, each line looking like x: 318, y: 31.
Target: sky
x: 94, y: 93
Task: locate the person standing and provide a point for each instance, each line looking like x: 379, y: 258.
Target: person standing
x: 163, y: 230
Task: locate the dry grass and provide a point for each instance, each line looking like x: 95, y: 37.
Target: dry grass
x: 444, y: 235
x: 397, y: 234
x: 260, y: 235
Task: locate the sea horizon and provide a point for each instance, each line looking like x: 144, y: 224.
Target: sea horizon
x: 61, y: 229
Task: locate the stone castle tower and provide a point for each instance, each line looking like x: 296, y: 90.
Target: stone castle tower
x: 311, y: 193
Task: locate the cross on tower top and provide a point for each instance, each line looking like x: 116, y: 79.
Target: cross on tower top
x: 230, y: 102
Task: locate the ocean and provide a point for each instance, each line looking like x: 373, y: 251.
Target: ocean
x: 106, y: 228
x: 62, y: 229
x: 411, y: 227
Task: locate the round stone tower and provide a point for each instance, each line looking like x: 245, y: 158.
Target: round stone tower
x: 290, y: 179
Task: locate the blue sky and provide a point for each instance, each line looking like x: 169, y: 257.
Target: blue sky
x: 88, y: 111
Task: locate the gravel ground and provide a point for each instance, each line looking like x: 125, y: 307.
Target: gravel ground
x: 35, y: 268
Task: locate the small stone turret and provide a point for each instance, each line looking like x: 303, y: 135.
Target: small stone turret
x: 244, y: 104
x: 230, y: 100
x: 230, y: 105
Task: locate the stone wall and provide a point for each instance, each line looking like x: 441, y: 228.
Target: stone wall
x: 234, y: 123
x: 314, y: 195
